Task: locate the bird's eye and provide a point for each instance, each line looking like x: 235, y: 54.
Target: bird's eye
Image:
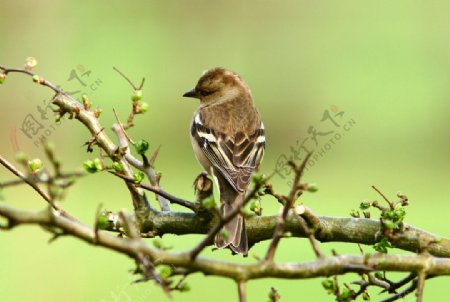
x: 205, y: 92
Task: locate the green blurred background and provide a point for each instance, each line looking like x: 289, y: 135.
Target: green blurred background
x: 385, y: 64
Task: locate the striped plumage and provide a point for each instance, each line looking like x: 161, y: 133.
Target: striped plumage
x: 228, y: 140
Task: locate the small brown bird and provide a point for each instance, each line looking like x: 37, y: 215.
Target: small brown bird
x: 228, y: 139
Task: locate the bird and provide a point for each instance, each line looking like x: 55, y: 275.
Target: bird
x: 228, y: 139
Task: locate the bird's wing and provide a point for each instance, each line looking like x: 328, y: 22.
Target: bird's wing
x: 234, y: 157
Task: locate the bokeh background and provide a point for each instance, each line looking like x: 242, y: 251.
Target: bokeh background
x: 379, y: 68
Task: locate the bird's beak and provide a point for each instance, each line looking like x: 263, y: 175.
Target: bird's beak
x: 191, y: 94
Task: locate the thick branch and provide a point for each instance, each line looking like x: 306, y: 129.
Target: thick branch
x: 329, y: 229
x: 321, y: 267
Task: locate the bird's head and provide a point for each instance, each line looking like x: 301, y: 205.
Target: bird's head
x: 218, y: 85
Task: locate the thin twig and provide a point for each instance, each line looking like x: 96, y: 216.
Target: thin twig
x: 128, y: 79
x: 420, y: 285
x: 147, y: 169
x: 403, y: 293
x: 391, y: 205
x: 32, y: 184
x: 96, y: 221
x: 311, y: 237
x: 173, y: 199
x: 278, y: 233
x: 241, y: 291
x: 121, y: 127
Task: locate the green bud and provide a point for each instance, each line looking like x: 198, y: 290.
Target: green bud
x: 399, y: 212
x: 137, y: 95
x: 159, y: 244
x: 141, y: 147
x: 366, y: 296
x: 258, y: 178
x: 36, y: 78
x: 346, y: 294
x: 30, y: 62
x: 379, y: 275
x: 354, y: 213
x: 2, y: 78
x: 49, y: 146
x: 138, y: 177
x: 224, y: 233
x: 389, y: 224
x: 117, y: 167
x: 97, y: 112
x: 184, y: 287
x: 209, y: 202
x: 86, y: 104
x: 164, y: 271
x: 312, y: 188
x: 56, y: 191
x: 22, y: 157
x: 388, y: 214
x: 102, y: 221
x: 364, y: 205
x: 255, y: 206
x: 382, y: 246
x: 274, y: 295
x: 329, y: 285
x: 143, y: 107
x: 92, y: 166
x: 35, y: 165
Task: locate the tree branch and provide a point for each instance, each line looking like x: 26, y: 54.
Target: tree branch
x: 321, y: 267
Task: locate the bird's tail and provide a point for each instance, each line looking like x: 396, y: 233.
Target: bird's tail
x: 234, y: 236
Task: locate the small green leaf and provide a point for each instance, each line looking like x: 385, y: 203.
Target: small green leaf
x: 141, y: 146
x: 138, y: 177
